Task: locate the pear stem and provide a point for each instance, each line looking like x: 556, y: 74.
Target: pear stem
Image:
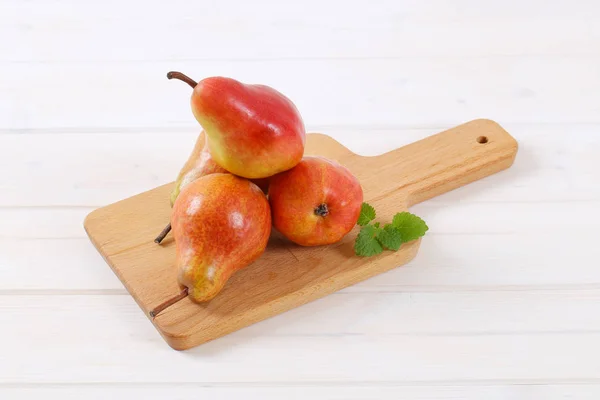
x: 163, y: 233
x: 168, y: 303
x: 182, y: 77
x: 192, y: 83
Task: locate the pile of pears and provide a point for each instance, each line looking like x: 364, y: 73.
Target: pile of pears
x: 247, y: 173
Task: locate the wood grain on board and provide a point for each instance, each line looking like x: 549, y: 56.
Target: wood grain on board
x: 287, y: 276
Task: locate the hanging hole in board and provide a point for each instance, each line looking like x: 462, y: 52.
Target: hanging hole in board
x: 482, y: 139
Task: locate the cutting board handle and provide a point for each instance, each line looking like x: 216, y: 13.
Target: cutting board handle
x: 443, y: 162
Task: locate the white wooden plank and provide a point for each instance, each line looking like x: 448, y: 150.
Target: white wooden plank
x: 87, y: 170
x: 351, y: 314
x: 473, y: 262
x: 63, y: 264
x: 42, y: 223
x: 366, y: 92
x: 469, y: 246
x: 145, y: 30
x: 320, y: 391
x: 59, y: 170
x: 101, y: 168
x: 102, y: 338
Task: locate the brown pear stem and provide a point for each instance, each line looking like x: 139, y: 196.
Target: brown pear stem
x: 163, y: 234
x: 182, y: 77
x: 168, y: 303
x: 192, y: 83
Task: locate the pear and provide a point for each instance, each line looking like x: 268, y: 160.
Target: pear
x: 315, y: 203
x: 254, y: 131
x: 199, y: 163
x: 221, y: 224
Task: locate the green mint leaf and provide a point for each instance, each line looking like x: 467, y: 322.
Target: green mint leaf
x: 366, y: 244
x: 376, y: 225
x: 390, y: 237
x: 367, y: 214
x: 409, y: 225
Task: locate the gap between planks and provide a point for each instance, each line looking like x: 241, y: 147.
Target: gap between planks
x: 193, y: 129
x: 387, y: 383
x: 353, y: 291
x: 569, y: 56
x: 434, y: 202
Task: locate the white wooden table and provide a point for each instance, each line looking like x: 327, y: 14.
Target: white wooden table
x: 503, y: 301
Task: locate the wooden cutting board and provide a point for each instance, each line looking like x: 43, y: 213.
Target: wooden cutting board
x: 287, y: 275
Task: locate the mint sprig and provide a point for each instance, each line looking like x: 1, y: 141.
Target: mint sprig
x: 367, y: 214
x: 371, y: 240
x: 390, y: 237
x: 409, y: 225
x: 366, y: 244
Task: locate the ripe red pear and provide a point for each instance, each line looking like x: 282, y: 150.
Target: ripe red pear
x: 254, y: 131
x: 221, y: 224
x: 315, y: 203
x: 199, y: 163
